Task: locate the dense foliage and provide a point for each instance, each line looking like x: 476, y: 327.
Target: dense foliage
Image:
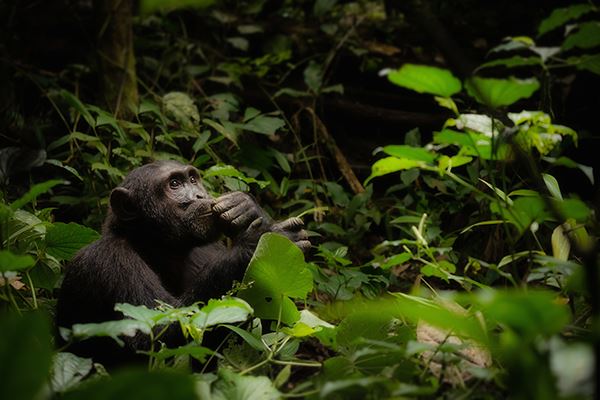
x: 461, y: 262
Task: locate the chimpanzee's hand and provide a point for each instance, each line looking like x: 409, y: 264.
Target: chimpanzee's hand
x: 239, y: 213
x: 292, y: 229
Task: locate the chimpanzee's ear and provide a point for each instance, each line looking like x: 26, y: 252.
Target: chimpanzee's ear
x: 121, y: 203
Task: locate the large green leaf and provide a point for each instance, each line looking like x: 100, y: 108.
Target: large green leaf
x: 586, y: 37
x: 13, y: 262
x: 561, y: 16
x: 500, y: 92
x: 64, y: 240
x: 426, y: 79
x: 389, y: 165
x: 113, y: 329
x: 264, y: 124
x: 25, y: 355
x: 138, y: 385
x: 223, y: 311
x: 588, y: 62
x: 67, y: 371
x: 278, y: 272
x: 232, y: 386
x: 410, y: 152
x: 529, y: 313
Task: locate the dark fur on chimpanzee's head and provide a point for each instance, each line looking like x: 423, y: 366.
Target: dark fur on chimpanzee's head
x: 149, y: 205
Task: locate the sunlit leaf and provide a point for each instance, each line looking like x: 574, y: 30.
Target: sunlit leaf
x: 278, y: 272
x: 232, y: 386
x: 410, y: 153
x: 500, y: 92
x: 389, y: 165
x: 113, y: 329
x: 552, y: 186
x: 426, y: 79
x: 561, y: 246
x: 222, y: 311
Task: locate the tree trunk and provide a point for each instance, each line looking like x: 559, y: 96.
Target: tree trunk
x: 116, y: 57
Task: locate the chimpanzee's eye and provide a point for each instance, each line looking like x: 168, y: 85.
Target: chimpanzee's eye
x: 174, y: 183
x: 193, y: 180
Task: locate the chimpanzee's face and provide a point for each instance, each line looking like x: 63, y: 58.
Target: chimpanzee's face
x: 181, y: 191
x: 167, y: 201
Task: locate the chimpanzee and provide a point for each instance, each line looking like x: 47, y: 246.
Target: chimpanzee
x: 162, y: 240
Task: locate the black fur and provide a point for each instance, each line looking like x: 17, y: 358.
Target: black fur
x: 161, y: 240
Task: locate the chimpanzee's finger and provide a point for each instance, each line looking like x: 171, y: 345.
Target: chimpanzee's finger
x: 228, y: 201
x: 303, y: 245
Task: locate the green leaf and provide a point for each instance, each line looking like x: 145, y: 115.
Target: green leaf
x: 397, y: 259
x: 191, y: 349
x: 561, y: 246
x: 409, y: 152
x: 141, y: 313
x: 78, y: 106
x: 529, y: 313
x: 138, y: 384
x: 223, y: 311
x: 552, y: 185
x: 34, y: 192
x: 12, y: 262
x: 278, y: 272
x: 26, y: 352
x: 561, y: 16
x: 67, y: 371
x: 572, y: 208
x: 313, y: 76
x: 113, y: 329
x: 389, y: 165
x: 153, y: 6
x: 265, y: 125
x: 64, y: 240
x: 586, y: 37
x: 248, y: 337
x: 512, y: 62
x: 232, y: 386
x: 588, y: 62
x: 426, y: 79
x: 500, y: 92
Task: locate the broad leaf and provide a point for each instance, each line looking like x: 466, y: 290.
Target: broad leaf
x: 138, y: 384
x: 278, y: 272
x: 232, y: 386
x: 224, y: 311
x: 64, y: 240
x: 561, y: 16
x: 13, y: 262
x: 410, y: 152
x: 426, y: 79
x: 113, y: 329
x: 500, y: 92
x: 586, y: 37
x: 389, y: 165
x: 68, y: 370
x: 25, y: 351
